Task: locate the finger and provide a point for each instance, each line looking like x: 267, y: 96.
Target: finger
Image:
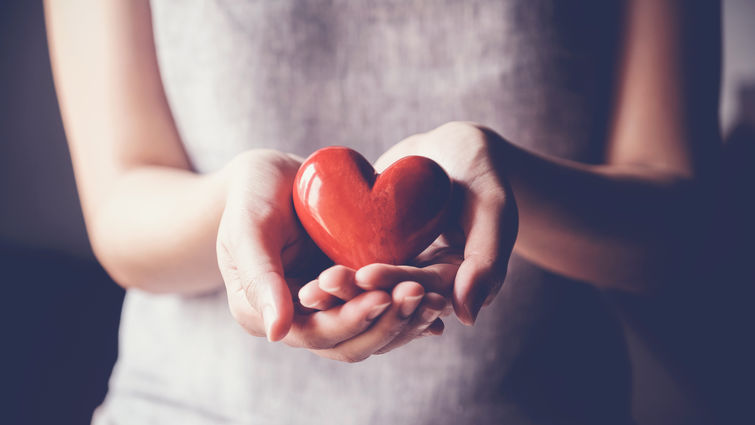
x: 428, y: 312
x: 295, y: 285
x: 411, y: 294
x: 334, y: 284
x: 325, y: 329
x: 491, y: 227
x: 434, y: 278
x: 311, y: 296
x: 390, y: 324
x: 257, y: 256
x: 339, y: 282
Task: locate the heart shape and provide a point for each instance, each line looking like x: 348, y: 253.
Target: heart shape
x: 358, y: 217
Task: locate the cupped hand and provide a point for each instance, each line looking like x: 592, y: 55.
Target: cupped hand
x: 421, y: 294
x: 484, y: 226
x: 264, y: 256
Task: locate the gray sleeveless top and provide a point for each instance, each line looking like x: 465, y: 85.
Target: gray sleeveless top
x: 300, y: 75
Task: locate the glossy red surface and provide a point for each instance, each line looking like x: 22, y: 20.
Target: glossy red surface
x: 358, y: 217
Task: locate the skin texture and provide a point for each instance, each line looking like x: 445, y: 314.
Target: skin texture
x: 639, y: 220
x: 153, y: 223
x: 259, y: 290
x: 628, y: 223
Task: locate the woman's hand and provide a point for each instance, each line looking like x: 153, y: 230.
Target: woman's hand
x: 413, y: 313
x: 421, y: 295
x: 484, y: 226
x: 264, y: 255
x: 258, y: 237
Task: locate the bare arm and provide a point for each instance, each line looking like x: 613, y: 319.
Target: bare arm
x: 639, y: 219
x: 152, y: 222
x: 636, y: 220
x: 157, y: 226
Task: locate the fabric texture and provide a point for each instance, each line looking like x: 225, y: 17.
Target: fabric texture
x: 300, y: 75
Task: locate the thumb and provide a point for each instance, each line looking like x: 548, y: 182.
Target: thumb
x: 490, y: 226
x: 258, y: 259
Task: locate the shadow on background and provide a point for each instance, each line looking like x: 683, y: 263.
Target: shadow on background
x: 63, y: 320
x: 61, y: 310
x: 702, y: 328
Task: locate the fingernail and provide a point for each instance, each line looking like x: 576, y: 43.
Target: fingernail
x: 429, y: 315
x: 410, y: 304
x: 303, y: 298
x: 268, y: 315
x: 328, y: 286
x: 317, y: 305
x: 306, y: 302
x: 377, y: 311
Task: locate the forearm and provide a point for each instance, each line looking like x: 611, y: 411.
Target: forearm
x: 630, y: 227
x: 157, y: 228
x: 642, y: 219
x: 620, y: 227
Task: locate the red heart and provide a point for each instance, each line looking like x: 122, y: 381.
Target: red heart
x: 358, y: 217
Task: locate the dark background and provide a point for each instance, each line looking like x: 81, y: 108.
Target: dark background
x: 61, y: 309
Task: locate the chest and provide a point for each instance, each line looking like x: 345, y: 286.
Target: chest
x: 299, y: 75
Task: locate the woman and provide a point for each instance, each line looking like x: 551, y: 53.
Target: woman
x: 187, y: 123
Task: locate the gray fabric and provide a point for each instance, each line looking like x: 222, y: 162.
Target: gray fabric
x: 299, y: 75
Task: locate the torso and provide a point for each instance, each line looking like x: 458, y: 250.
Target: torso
x: 300, y: 75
